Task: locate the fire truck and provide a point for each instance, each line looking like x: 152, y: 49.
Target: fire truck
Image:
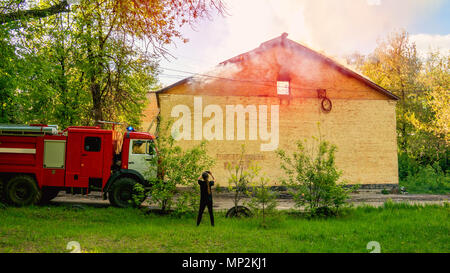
x: 38, y: 161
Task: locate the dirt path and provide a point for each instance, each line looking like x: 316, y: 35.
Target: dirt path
x: 225, y: 200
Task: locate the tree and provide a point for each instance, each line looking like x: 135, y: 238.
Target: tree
x: 241, y: 177
x: 176, y: 168
x: 140, y: 29
x: 435, y: 80
x: 99, y: 60
x: 8, y: 81
x: 313, y: 178
x: 423, y: 91
x: 12, y: 10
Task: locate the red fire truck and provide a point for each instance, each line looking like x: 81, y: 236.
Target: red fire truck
x: 38, y: 161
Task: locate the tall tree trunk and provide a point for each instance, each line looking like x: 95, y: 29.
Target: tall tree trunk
x: 97, y: 106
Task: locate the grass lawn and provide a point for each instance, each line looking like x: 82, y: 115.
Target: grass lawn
x: 398, y: 228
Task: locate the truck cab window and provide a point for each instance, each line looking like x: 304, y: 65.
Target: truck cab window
x: 139, y: 147
x: 151, y: 148
x: 92, y: 144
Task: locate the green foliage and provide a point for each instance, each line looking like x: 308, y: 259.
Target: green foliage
x: 241, y: 177
x: 427, y: 179
x: 96, y: 61
x: 10, y: 66
x: 419, y: 177
x: 435, y: 79
x: 407, y: 166
x: 138, y: 195
x: 422, y: 113
x: 263, y: 201
x: 176, y: 168
x: 313, y: 178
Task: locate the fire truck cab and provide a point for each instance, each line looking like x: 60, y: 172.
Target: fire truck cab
x: 38, y: 161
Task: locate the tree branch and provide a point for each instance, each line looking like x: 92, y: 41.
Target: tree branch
x: 34, y: 13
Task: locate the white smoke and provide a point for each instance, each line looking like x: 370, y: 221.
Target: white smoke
x: 336, y: 27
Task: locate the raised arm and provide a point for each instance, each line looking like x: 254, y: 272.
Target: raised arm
x: 210, y: 173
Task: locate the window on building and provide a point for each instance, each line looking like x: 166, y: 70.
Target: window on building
x: 92, y: 144
x: 283, y: 87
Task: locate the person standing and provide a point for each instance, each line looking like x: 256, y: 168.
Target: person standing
x: 205, y: 196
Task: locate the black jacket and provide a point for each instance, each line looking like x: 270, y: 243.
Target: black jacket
x: 204, y: 189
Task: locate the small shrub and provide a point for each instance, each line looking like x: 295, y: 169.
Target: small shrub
x: 187, y: 201
x: 176, y: 167
x: 312, y: 177
x: 241, y: 178
x: 264, y: 200
x: 427, y: 180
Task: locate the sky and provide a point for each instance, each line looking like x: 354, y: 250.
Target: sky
x: 333, y: 27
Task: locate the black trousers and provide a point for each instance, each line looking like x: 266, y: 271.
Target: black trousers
x: 203, y: 204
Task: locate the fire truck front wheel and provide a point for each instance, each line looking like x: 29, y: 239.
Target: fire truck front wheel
x: 121, y: 193
x: 22, y: 190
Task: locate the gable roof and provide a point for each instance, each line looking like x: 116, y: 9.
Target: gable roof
x: 283, y: 41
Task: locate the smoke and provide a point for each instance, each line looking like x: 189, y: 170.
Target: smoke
x: 333, y: 27
x: 336, y: 27
x: 221, y: 72
x: 259, y: 68
x: 341, y: 27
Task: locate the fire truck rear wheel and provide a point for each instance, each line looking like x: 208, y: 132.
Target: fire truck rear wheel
x: 22, y: 190
x: 121, y: 193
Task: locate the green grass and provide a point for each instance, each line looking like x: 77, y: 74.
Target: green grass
x: 398, y: 228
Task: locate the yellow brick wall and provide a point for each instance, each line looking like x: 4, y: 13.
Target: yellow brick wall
x: 363, y: 130
x: 361, y: 122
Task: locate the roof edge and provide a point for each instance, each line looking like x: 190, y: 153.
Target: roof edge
x: 171, y: 86
x: 282, y: 39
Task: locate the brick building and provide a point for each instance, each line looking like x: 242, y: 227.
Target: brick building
x: 286, y: 87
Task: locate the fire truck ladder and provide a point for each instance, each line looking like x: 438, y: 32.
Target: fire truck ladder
x: 28, y: 130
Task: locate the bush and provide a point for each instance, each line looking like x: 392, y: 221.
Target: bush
x: 313, y: 178
x: 427, y: 180
x: 407, y: 166
x: 241, y: 178
x: 176, y: 167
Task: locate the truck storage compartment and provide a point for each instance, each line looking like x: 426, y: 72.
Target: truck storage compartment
x: 17, y: 150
